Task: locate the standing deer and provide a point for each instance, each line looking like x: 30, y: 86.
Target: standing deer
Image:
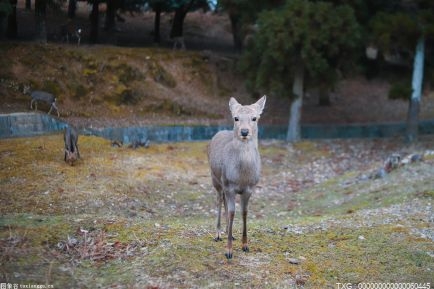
x: 69, y: 31
x: 70, y: 137
x: 236, y: 166
x: 38, y: 95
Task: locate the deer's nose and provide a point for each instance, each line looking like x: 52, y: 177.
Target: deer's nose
x: 244, y: 132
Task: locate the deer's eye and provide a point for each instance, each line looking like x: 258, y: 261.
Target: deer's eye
x: 236, y: 119
x: 254, y: 118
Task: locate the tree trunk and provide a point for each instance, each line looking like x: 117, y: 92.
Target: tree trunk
x: 177, y: 29
x: 236, y: 30
x: 413, y: 109
x: 157, y: 38
x: 94, y: 22
x: 40, y: 16
x: 3, y: 27
x: 294, y: 126
x: 324, y: 95
x: 72, y: 7
x: 178, y: 20
x: 110, y: 15
x: 12, y: 29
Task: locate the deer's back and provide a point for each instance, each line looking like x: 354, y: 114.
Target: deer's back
x: 71, y: 138
x: 42, y: 95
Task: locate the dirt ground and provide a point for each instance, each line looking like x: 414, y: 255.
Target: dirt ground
x: 145, y: 218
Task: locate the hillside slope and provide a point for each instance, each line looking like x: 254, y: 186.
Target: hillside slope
x: 117, y: 86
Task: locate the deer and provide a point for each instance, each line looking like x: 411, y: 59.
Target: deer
x: 178, y: 42
x: 38, y: 95
x: 70, y: 137
x: 235, y: 166
x: 68, y: 31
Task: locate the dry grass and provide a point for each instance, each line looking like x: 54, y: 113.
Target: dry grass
x: 124, y: 218
x: 145, y: 218
x: 100, y: 86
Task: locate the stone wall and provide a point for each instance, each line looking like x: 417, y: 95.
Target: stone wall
x: 28, y: 124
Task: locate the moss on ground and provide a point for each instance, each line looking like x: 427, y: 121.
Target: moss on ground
x: 142, y: 218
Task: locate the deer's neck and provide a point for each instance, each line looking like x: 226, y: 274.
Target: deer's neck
x: 246, y: 151
x: 244, y: 163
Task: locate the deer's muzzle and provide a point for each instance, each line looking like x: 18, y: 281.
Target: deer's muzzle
x: 244, y: 132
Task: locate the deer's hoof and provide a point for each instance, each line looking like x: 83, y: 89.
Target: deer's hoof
x: 246, y: 248
x: 228, y: 255
x: 218, y: 239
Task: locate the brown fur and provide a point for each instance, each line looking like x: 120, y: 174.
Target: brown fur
x: 236, y: 165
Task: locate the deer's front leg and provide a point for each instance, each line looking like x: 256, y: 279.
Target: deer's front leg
x: 244, y: 209
x: 230, y: 203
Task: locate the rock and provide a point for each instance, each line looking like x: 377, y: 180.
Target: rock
x: 411, y: 158
x: 379, y: 174
x: 294, y: 261
x: 116, y: 143
x: 416, y: 158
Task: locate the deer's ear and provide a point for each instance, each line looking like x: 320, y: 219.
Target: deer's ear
x: 233, y: 105
x: 260, y: 104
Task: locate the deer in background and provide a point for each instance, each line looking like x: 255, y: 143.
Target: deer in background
x: 70, y: 137
x: 38, y: 95
x: 69, y: 31
x: 236, y: 166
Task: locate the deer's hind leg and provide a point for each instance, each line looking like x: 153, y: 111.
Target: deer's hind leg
x: 220, y: 200
x: 33, y: 101
x: 51, y: 109
x: 76, y: 150
x: 53, y: 105
x: 219, y: 214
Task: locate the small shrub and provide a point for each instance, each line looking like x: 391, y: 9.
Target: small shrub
x: 400, y: 91
x: 162, y: 76
x: 89, y: 72
x: 52, y: 86
x: 92, y: 64
x: 79, y: 91
x: 130, y: 96
x: 128, y: 73
x: 32, y: 83
x: 121, y: 94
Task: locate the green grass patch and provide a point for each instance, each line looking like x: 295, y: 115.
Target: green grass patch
x: 146, y: 218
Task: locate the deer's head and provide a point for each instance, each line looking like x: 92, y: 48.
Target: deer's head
x: 71, y: 157
x: 246, y: 118
x: 26, y: 89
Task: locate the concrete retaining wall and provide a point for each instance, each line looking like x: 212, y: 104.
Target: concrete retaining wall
x: 30, y: 124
